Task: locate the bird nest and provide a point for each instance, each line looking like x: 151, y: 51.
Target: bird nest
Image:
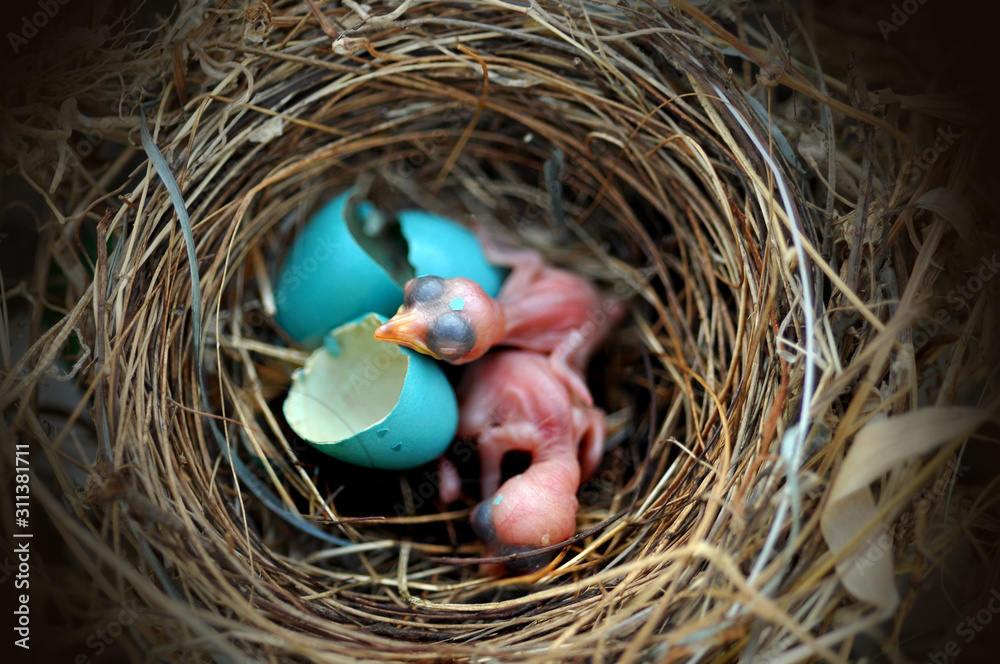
x: 774, y: 406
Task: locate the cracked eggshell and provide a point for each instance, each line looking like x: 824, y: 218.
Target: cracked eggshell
x: 444, y: 248
x: 370, y: 403
x: 329, y: 277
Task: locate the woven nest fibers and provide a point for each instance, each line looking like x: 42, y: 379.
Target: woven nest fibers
x: 782, y: 434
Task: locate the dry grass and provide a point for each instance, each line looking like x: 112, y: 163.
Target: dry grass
x: 699, y: 536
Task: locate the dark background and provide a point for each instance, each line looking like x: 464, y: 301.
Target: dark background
x: 943, y: 47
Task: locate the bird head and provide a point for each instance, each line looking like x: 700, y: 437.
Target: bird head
x: 449, y: 319
x: 525, y: 514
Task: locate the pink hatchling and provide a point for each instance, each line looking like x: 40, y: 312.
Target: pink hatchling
x: 512, y: 400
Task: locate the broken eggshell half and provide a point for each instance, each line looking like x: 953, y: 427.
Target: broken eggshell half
x: 370, y: 403
x: 349, y: 260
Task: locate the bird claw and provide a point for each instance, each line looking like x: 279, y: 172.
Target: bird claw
x: 450, y: 481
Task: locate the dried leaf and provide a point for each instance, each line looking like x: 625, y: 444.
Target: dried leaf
x: 952, y: 206
x: 866, y: 571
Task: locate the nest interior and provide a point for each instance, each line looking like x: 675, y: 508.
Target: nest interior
x: 745, y: 228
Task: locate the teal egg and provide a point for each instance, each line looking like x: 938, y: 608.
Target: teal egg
x: 343, y: 265
x: 371, y: 403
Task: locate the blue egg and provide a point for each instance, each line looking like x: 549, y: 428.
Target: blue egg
x: 338, y: 269
x: 370, y: 403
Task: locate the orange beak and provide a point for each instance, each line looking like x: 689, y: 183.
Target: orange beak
x: 406, y: 328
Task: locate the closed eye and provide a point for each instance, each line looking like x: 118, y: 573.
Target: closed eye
x: 451, y: 336
x: 422, y: 290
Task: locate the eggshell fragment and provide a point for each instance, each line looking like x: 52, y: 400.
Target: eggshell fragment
x: 442, y: 247
x: 370, y: 403
x: 328, y: 278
